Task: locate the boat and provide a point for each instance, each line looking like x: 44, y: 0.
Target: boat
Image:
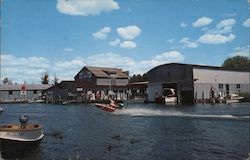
x: 170, y: 100
x: 1, y: 109
x: 233, y: 98
x: 169, y: 96
x: 21, y: 133
x: 105, y: 107
x: 109, y: 107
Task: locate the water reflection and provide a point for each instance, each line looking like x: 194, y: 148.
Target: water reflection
x: 17, y: 150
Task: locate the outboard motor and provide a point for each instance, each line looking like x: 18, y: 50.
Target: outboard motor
x: 23, y: 120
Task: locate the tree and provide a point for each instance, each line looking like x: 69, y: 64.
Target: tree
x: 138, y: 78
x: 55, y: 81
x: 45, y: 78
x: 6, y: 80
x: 237, y: 62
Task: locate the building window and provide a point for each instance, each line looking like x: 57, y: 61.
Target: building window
x: 10, y: 93
x: 35, y: 91
x: 238, y: 86
x: 220, y: 86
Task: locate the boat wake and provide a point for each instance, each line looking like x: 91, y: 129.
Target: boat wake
x: 153, y: 112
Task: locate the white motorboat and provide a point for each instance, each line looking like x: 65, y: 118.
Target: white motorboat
x: 233, y: 98
x: 170, y: 96
x: 21, y: 132
x: 1, y: 109
x: 170, y: 100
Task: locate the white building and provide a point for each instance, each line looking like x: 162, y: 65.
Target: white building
x: 22, y: 92
x: 196, y: 82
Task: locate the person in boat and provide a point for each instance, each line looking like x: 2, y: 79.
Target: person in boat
x: 112, y: 103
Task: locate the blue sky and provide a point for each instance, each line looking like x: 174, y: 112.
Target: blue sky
x: 62, y: 36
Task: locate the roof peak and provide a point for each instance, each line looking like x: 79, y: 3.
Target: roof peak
x: 103, y: 68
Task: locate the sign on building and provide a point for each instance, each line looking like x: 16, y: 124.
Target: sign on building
x: 23, y: 91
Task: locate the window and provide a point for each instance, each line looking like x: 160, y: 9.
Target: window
x: 35, y: 91
x: 220, y: 86
x: 238, y: 86
x: 10, y: 93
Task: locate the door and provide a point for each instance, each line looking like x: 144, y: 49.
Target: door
x: 227, y: 89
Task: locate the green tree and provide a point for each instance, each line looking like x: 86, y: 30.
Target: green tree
x: 237, y: 62
x: 45, y: 78
x: 138, y: 78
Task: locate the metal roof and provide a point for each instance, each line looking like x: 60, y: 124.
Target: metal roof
x: 18, y: 87
x: 102, y: 72
x: 201, y: 67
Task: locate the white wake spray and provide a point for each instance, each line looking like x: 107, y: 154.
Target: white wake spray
x: 169, y: 113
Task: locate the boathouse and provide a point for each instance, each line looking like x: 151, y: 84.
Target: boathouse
x: 196, y: 82
x: 100, y: 82
x: 15, y: 93
x: 64, y: 91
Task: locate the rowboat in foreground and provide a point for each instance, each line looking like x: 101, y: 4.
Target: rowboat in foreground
x: 17, y: 140
x: 21, y: 132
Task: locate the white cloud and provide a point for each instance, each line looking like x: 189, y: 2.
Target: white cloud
x: 115, y: 42
x: 241, y: 51
x: 86, y: 7
x: 134, y: 67
x: 129, y: 32
x: 68, y: 49
x: 216, y: 38
x: 188, y: 43
x: 167, y: 57
x: 102, y: 33
x: 110, y: 60
x: 201, y: 22
x: 183, y: 25
x: 20, y: 69
x: 225, y: 26
x: 32, y: 62
x: 128, y: 44
x: 75, y: 63
x: 226, y: 22
x: 246, y: 23
x: 66, y: 70
x: 124, y: 44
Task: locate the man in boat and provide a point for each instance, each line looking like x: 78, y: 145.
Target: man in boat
x: 113, y: 103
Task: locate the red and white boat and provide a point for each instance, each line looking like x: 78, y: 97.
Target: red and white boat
x: 105, y: 107
x: 109, y: 107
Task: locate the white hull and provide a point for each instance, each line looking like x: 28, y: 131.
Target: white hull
x: 234, y: 98
x: 170, y: 100
x: 22, y: 135
x: 232, y: 101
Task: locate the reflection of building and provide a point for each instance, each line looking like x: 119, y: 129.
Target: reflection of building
x: 24, y: 92
x: 196, y: 82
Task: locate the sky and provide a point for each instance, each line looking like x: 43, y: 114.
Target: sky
x: 62, y: 36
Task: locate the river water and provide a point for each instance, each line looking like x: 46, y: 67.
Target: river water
x: 138, y: 132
